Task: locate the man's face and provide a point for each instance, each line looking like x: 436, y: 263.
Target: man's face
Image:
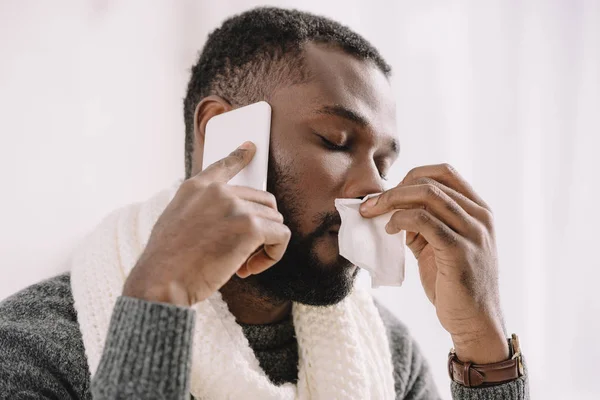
x: 331, y: 138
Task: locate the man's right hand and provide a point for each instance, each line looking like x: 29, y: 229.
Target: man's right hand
x: 208, y: 232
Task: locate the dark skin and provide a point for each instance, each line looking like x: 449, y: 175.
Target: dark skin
x: 337, y: 136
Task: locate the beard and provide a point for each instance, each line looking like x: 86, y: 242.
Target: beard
x: 300, y: 276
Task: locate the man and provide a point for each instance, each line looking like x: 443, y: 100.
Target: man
x: 262, y: 271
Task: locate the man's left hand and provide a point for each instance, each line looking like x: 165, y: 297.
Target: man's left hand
x: 450, y: 232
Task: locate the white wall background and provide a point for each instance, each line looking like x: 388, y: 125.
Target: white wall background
x: 507, y: 91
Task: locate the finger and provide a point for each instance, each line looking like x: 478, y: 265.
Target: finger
x: 242, y: 272
x: 262, y: 260
x: 273, y: 235
x: 447, y: 175
x: 429, y: 197
x: 481, y: 214
x: 416, y: 243
x: 435, y: 232
x: 463, y: 201
x: 276, y: 239
x: 475, y: 210
x: 228, y: 167
x: 257, y: 263
x: 260, y: 210
x: 255, y: 195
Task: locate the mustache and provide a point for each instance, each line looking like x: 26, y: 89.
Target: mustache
x: 326, y: 221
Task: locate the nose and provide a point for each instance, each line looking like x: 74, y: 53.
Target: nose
x: 361, y: 180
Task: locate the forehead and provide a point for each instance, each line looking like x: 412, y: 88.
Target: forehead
x: 337, y: 78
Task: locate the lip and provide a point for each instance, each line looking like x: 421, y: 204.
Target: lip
x: 334, y: 230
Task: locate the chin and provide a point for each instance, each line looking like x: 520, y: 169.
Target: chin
x: 312, y: 283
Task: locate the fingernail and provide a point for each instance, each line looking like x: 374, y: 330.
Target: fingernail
x: 246, y: 145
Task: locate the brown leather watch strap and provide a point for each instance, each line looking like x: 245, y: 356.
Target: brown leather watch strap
x: 473, y: 375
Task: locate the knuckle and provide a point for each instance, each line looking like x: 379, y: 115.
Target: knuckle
x: 487, y: 218
x: 431, y: 191
x: 233, y: 205
x: 227, y: 162
x: 237, y: 156
x: 424, y: 181
x: 480, y: 236
x: 192, y: 185
x: 251, y: 224
x: 287, y: 233
x: 412, y: 172
x: 270, y: 197
x: 447, y: 236
x: 448, y: 169
x: 279, y: 216
x: 453, y: 207
x: 217, y: 189
x: 422, y: 217
x: 272, y: 253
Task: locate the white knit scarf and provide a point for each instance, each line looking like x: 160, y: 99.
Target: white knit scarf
x: 343, y: 349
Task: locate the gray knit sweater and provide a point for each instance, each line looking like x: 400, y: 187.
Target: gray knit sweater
x: 147, y: 352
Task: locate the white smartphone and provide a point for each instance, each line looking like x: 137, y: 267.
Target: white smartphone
x: 225, y: 132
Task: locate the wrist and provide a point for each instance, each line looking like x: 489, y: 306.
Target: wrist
x: 469, y: 374
x: 482, y: 349
x: 163, y: 293
x: 159, y: 290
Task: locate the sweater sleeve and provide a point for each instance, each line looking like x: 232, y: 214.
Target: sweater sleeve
x: 147, y: 352
x: 514, y: 390
x: 41, y: 351
x: 414, y: 381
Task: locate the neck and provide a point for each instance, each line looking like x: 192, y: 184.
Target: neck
x: 249, y: 305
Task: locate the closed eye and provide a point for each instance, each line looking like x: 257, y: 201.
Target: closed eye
x: 332, y: 146
x: 338, y: 147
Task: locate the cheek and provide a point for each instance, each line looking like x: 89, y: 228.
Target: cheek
x: 308, y: 183
x: 329, y: 170
x: 320, y: 176
x: 320, y: 171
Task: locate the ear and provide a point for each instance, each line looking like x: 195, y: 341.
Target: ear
x: 207, y: 108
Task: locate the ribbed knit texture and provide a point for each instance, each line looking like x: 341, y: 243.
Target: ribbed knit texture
x: 147, y: 352
x: 42, y: 354
x: 516, y: 390
x: 276, y: 349
x: 342, y: 349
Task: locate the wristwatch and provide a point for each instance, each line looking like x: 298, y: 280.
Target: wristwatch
x: 482, y: 375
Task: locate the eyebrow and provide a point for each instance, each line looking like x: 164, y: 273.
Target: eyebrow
x: 346, y: 113
x: 341, y: 111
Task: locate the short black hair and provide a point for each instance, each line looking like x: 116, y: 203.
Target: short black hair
x: 253, y: 53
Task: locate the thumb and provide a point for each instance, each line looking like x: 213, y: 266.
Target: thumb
x: 416, y: 243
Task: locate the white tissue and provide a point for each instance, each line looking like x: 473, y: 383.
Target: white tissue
x: 365, y: 243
